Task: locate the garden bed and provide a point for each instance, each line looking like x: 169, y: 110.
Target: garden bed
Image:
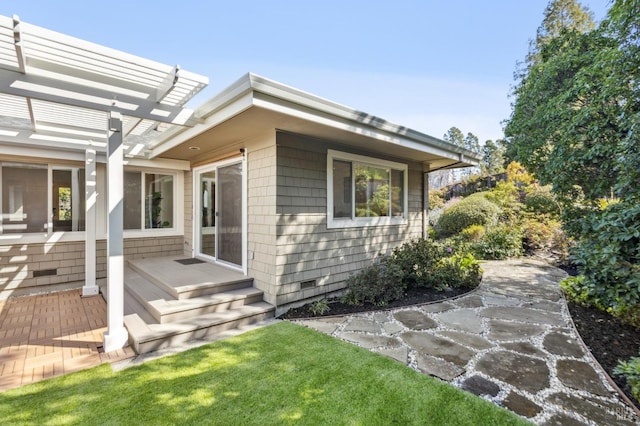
x: 414, y: 296
x: 608, y: 339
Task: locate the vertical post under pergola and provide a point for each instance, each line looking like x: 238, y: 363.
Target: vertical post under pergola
x: 90, y: 286
x: 116, y: 336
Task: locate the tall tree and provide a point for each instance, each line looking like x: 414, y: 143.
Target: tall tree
x: 472, y: 143
x: 492, y: 157
x: 454, y: 136
x: 575, y: 124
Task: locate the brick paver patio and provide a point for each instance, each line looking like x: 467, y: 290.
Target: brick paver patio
x: 52, y: 334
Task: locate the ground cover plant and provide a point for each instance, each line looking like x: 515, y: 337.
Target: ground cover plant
x: 281, y: 374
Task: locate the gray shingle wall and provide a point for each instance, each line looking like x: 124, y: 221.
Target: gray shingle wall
x: 261, y: 205
x: 18, y: 262
x: 306, y: 249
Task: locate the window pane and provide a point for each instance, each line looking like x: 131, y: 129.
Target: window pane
x: 68, y: 200
x: 341, y: 189
x: 24, y: 198
x: 158, y: 201
x: 397, y: 193
x: 371, y: 191
x: 132, y: 196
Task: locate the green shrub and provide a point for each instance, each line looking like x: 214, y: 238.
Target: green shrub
x: 473, y: 233
x: 377, y: 284
x: 507, y: 197
x: 417, y: 259
x: 540, y: 200
x: 319, y: 307
x: 573, y: 288
x: 499, y: 243
x: 608, y: 254
x: 459, y: 270
x: 476, y: 209
x: 537, y: 235
x: 631, y: 372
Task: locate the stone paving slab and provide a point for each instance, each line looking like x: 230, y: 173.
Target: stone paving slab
x: 513, y: 334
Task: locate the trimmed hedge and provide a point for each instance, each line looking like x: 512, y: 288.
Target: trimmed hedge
x: 476, y: 209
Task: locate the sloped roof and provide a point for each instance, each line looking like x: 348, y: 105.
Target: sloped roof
x: 56, y: 91
x: 255, y: 104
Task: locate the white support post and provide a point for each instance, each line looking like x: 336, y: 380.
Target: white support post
x: 90, y: 286
x: 116, y: 336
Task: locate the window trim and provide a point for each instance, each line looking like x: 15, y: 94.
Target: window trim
x: 364, y: 221
x: 178, y: 208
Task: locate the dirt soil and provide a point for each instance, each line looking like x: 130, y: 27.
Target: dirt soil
x: 608, y: 339
x: 412, y: 297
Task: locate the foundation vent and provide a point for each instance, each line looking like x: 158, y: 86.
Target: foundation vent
x: 307, y: 284
x: 45, y: 273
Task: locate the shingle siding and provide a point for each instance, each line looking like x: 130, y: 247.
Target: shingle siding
x: 19, y: 261
x: 305, y: 248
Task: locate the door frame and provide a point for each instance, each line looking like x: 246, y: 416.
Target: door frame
x: 197, y: 211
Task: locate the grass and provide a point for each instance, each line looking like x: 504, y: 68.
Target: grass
x: 281, y: 374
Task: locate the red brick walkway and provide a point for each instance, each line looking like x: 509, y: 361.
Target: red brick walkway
x: 52, y: 334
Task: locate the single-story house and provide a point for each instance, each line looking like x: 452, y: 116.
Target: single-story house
x: 101, y: 165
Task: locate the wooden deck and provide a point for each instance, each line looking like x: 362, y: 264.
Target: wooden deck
x: 52, y: 334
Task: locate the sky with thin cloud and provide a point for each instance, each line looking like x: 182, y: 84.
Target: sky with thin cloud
x: 428, y: 65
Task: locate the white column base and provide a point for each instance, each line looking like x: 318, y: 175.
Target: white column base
x: 115, y: 339
x: 90, y: 290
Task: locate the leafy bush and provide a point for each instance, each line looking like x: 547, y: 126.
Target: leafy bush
x: 608, y: 255
x: 537, y: 235
x: 631, y: 372
x: 499, y: 243
x: 378, y: 284
x: 436, y: 199
x: 434, y: 264
x: 573, y: 288
x: 473, y: 233
x: 540, y: 200
x: 507, y: 197
x: 319, y: 307
x: 417, y: 259
x: 459, y: 270
x: 476, y: 209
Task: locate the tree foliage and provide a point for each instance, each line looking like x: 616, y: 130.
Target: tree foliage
x: 575, y: 124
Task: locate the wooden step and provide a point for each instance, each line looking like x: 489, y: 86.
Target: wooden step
x: 144, y: 337
x: 187, y: 281
x: 165, y: 308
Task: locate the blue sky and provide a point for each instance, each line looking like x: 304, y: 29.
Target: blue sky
x: 428, y: 64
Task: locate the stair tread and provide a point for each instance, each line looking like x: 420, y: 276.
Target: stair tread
x: 155, y: 331
x: 165, y: 303
x: 177, y: 278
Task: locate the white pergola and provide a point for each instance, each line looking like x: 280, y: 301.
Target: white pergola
x: 63, y: 93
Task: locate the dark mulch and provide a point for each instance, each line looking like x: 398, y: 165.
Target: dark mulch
x: 608, y: 339
x: 412, y: 297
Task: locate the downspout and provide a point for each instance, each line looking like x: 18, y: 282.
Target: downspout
x: 425, y: 204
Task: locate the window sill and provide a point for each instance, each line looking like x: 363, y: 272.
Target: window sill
x: 365, y: 222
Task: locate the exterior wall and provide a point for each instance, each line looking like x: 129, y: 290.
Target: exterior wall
x: 261, y: 226
x: 305, y: 249
x: 188, y: 214
x: 18, y: 262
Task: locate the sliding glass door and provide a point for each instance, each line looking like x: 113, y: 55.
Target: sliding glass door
x: 219, y: 212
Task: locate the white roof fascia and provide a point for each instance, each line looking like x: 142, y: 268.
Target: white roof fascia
x: 365, y: 124
x: 254, y: 90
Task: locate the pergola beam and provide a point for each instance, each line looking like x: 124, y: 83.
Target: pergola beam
x: 17, y: 43
x: 67, y: 93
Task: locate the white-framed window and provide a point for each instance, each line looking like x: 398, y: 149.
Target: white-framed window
x: 149, y: 200
x: 41, y: 198
x: 365, y: 191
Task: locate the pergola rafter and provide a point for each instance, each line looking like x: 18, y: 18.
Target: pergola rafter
x: 65, y: 94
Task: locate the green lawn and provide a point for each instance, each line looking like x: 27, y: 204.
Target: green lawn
x: 281, y: 374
